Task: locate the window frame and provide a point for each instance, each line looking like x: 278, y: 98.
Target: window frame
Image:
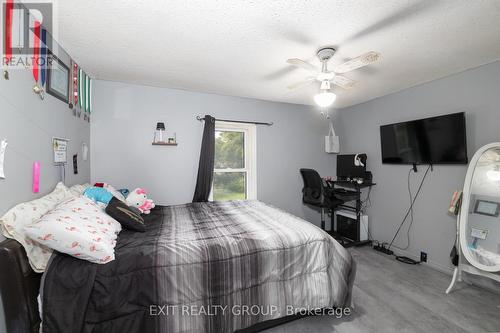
x: 250, y: 148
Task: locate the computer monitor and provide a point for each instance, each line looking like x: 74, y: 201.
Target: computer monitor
x: 347, y: 169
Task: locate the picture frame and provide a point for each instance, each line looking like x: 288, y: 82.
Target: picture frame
x: 57, y: 78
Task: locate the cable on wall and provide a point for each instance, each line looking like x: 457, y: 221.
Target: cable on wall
x: 410, y: 209
x: 410, y: 195
x: 404, y: 259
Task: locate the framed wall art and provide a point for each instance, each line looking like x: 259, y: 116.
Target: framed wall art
x: 57, y: 79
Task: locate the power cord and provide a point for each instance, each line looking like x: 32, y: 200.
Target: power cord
x: 407, y: 260
x: 385, y: 247
x: 410, y: 194
x: 367, y: 202
x: 410, y: 209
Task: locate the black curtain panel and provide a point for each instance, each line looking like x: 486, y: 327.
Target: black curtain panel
x: 206, y: 166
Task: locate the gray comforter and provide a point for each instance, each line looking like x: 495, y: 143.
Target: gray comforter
x: 201, y: 267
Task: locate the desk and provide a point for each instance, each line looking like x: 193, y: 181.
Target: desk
x: 352, y: 194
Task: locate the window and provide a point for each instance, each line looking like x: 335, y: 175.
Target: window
x: 235, y: 163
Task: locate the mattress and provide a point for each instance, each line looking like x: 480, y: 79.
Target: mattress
x: 201, y: 267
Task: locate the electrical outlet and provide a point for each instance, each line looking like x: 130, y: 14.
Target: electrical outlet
x: 423, y: 257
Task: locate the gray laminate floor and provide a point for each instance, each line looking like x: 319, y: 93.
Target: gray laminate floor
x: 393, y: 297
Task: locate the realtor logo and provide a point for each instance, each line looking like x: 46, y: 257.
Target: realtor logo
x: 27, y: 33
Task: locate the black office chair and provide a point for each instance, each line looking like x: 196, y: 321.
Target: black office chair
x: 316, y: 195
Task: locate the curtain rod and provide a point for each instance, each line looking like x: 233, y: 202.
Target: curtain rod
x: 238, y: 121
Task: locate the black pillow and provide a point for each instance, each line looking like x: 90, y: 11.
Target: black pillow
x: 129, y: 219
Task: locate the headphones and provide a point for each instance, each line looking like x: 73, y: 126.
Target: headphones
x: 357, y: 161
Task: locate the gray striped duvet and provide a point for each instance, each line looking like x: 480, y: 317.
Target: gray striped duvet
x: 201, y: 267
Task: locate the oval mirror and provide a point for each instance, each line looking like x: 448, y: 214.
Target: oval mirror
x: 480, y: 212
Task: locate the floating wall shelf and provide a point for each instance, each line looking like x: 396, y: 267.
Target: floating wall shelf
x: 164, y: 144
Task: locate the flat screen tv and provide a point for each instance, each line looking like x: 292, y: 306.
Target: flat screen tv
x: 436, y: 140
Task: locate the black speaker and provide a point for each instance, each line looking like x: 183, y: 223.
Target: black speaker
x: 347, y: 227
x: 368, y: 177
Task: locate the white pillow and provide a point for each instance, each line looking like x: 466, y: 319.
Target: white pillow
x: 79, y: 228
x: 78, y: 189
x: 14, y: 221
x: 115, y: 192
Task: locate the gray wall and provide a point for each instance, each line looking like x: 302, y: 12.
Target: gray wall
x: 477, y: 93
x: 29, y: 124
x: 122, y: 131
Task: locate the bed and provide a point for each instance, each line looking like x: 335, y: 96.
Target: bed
x: 201, y: 267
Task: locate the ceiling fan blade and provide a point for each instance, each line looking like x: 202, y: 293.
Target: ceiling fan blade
x: 301, y: 84
x: 358, y: 62
x: 343, y: 82
x: 404, y: 14
x: 302, y: 64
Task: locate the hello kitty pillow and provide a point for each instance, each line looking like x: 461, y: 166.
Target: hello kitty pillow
x: 77, y: 227
x: 139, y: 199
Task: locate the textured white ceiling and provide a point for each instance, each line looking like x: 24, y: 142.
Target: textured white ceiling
x: 239, y: 48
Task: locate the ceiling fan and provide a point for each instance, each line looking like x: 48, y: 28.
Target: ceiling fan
x: 327, y: 77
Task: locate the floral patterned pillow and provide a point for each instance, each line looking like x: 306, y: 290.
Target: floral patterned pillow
x: 77, y: 227
x: 14, y: 221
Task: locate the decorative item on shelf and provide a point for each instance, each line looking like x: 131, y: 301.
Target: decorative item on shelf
x: 173, y: 140
x: 160, y: 138
x: 159, y: 133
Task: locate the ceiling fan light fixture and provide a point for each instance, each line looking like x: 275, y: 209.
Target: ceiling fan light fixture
x: 325, y: 76
x: 325, y: 85
x: 325, y: 98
